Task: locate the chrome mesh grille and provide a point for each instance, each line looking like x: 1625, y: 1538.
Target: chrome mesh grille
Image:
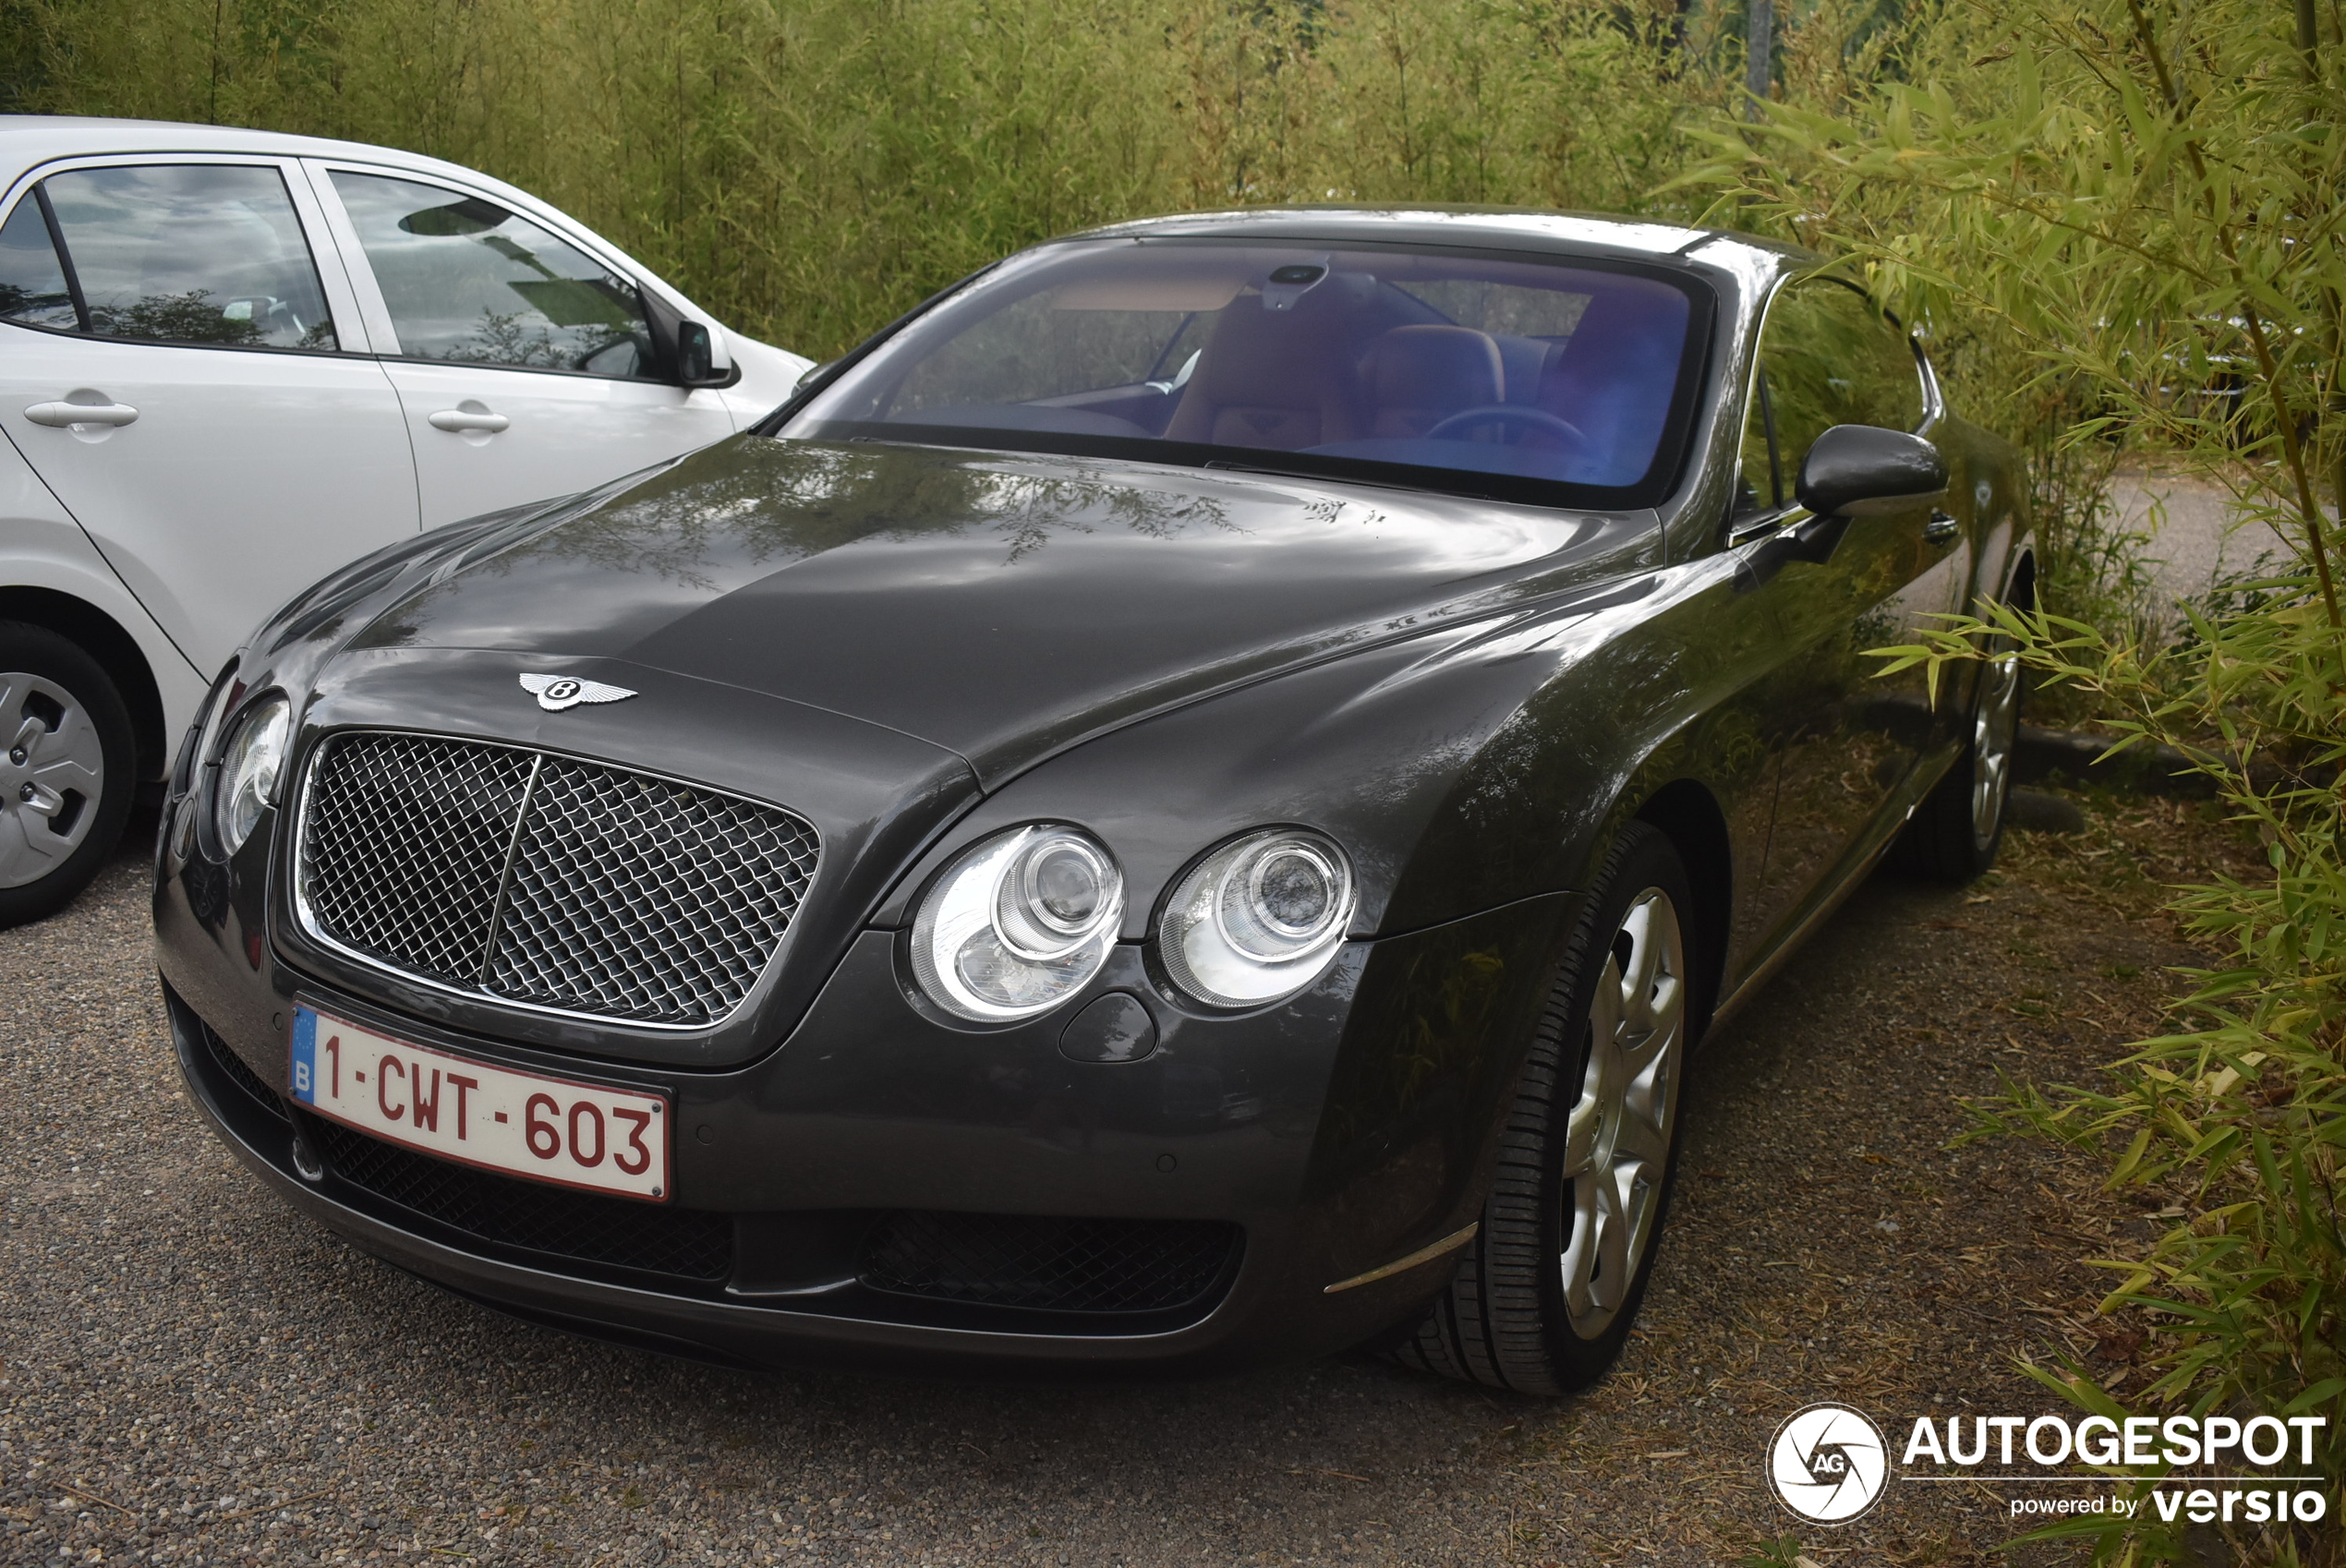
x: 644, y: 900
x: 407, y: 839
x: 530, y: 877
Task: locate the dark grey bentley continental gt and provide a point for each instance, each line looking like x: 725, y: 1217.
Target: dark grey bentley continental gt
x: 1186, y: 803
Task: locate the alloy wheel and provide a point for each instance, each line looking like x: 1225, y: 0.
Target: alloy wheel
x: 1994, y: 723
x: 52, y: 776
x: 1618, y: 1139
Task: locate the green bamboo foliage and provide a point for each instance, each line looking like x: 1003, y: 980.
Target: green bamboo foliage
x: 810, y: 168
x: 2145, y: 201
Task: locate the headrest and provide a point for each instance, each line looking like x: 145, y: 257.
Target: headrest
x: 1259, y: 356
x: 1268, y: 377
x: 1444, y: 368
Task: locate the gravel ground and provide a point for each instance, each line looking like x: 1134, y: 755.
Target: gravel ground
x: 189, y: 1373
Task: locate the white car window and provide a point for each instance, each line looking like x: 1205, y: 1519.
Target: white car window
x: 177, y: 253
x: 464, y: 280
x: 33, y: 281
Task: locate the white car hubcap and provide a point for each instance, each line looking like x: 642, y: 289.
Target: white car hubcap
x: 52, y: 776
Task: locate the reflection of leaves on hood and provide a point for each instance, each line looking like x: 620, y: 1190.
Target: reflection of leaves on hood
x: 443, y: 554
x: 755, y: 501
x: 1027, y: 508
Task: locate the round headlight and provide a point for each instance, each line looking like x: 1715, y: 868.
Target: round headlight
x: 1019, y: 923
x: 1257, y: 919
x: 246, y: 784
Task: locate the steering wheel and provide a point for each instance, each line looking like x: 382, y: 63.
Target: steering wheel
x: 1509, y: 413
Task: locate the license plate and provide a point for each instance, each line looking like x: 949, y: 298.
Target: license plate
x: 524, y: 1123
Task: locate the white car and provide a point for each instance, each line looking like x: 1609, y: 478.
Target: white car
x: 232, y: 361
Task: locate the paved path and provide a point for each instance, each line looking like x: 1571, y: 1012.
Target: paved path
x: 2196, y: 537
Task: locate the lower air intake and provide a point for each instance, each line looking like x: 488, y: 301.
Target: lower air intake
x: 1059, y: 1265
x: 237, y: 1073
x: 692, y: 1244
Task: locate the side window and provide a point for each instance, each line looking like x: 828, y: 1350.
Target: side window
x: 1831, y: 359
x: 184, y: 253
x: 33, y: 281
x: 468, y: 280
x: 1759, y: 487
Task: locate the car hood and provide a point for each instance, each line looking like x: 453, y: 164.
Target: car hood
x: 1001, y: 606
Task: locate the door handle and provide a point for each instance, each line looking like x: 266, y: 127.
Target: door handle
x: 58, y: 416
x: 468, y: 420
x: 1940, y: 528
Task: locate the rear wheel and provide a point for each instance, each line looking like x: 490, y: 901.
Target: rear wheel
x: 66, y: 773
x: 1955, y: 833
x: 1546, y: 1292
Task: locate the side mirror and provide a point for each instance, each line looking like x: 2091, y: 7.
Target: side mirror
x: 1858, y: 470
x: 695, y: 356
x: 685, y: 351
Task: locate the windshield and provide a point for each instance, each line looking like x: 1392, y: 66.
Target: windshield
x: 1567, y: 381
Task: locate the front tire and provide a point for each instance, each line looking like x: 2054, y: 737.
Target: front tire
x: 1545, y: 1294
x: 66, y: 770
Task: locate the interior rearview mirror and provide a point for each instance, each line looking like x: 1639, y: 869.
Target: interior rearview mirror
x: 1858, y: 470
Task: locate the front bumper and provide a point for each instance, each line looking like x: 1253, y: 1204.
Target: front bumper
x: 1326, y: 1137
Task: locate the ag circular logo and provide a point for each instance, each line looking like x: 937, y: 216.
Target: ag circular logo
x: 1828, y: 1463
x: 562, y: 690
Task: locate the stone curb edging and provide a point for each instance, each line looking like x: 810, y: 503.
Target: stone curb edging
x: 2039, y: 754
x: 2075, y: 757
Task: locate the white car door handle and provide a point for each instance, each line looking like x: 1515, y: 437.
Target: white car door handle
x: 466, y: 419
x: 60, y: 415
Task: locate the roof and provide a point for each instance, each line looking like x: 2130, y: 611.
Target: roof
x: 27, y: 141
x: 1432, y: 224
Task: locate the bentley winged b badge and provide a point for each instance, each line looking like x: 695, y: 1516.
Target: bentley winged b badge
x: 555, y: 692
